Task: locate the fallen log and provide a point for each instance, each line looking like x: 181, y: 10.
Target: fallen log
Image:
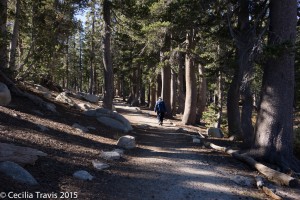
x: 18, y: 154
x: 271, y: 175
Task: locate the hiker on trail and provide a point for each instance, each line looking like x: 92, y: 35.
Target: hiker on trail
x: 160, y: 109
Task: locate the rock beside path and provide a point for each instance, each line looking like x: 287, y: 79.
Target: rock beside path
x: 110, y: 119
x: 215, y: 132
x: 83, y: 175
x: 5, y: 96
x: 18, y: 154
x: 17, y: 173
x: 63, y: 97
x: 100, y: 165
x: 110, y: 155
x: 127, y: 142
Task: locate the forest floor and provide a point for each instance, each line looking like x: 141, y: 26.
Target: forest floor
x: 166, y: 164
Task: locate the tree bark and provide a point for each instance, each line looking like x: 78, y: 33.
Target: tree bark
x: 166, y: 88
x: 3, y: 34
x: 181, y: 85
x: 274, y: 128
x: 202, y: 89
x: 107, y: 60
x: 220, y: 100
x: 173, y: 92
x: 166, y: 76
x: 14, y: 39
x: 92, y: 56
x: 152, y: 94
x: 240, y: 125
x: 189, y: 116
x: 158, y: 85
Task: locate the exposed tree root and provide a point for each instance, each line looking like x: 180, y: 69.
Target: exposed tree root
x: 271, y: 175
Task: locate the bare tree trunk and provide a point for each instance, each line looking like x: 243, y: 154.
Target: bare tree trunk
x: 189, y: 116
x: 274, y: 128
x: 166, y: 86
x: 241, y: 125
x: 202, y: 90
x: 220, y: 100
x: 14, y: 39
x: 173, y: 92
x: 80, y: 63
x: 118, y: 86
x: 180, y: 80
x: 152, y: 89
x: 158, y: 86
x: 3, y: 34
x: 107, y: 60
x: 67, y: 65
x: 166, y: 75
x: 92, y: 56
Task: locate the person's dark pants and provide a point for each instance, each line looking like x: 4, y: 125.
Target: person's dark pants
x: 160, y: 117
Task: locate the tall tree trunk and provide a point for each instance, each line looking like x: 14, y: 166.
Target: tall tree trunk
x: 173, y: 92
x: 180, y: 80
x: 274, y: 128
x: 240, y: 125
x: 67, y: 65
x: 233, y: 110
x: 118, y: 86
x: 80, y: 63
x: 219, y: 103
x: 189, y: 116
x: 166, y: 75
x: 92, y: 56
x: 202, y: 90
x: 166, y: 86
x: 153, y: 98
x: 107, y: 60
x: 3, y: 34
x: 158, y: 85
x: 14, y: 39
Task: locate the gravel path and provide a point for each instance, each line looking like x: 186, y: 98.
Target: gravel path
x: 167, y: 165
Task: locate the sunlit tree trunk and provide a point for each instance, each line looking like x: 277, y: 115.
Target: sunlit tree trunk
x: 189, y: 116
x: 219, y: 103
x: 202, y: 90
x: 274, y: 128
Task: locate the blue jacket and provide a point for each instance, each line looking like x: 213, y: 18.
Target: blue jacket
x: 160, y: 106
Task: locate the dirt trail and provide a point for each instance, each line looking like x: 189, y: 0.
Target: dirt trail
x: 167, y: 165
